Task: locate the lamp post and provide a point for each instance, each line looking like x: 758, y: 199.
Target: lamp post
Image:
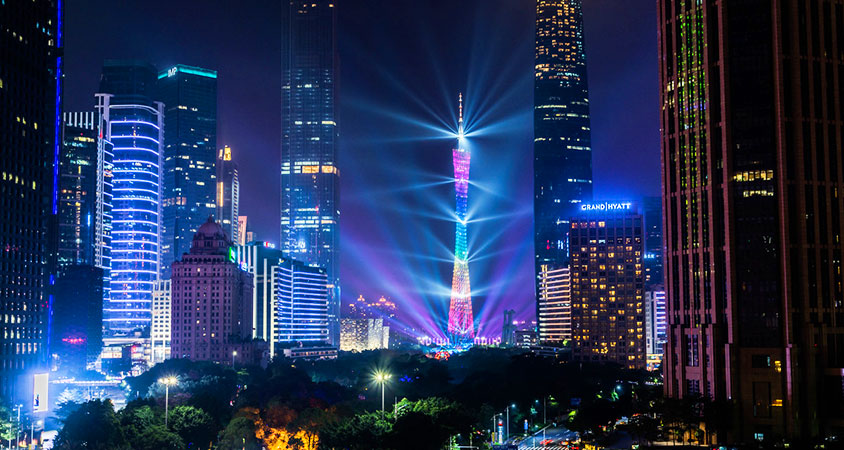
x: 234, y: 353
x: 382, y: 378
x: 167, y: 382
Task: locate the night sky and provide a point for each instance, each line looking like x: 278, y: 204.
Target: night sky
x: 402, y: 64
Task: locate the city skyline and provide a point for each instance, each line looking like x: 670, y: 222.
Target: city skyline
x: 413, y: 163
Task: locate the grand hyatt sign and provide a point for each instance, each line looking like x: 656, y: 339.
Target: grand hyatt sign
x: 606, y: 206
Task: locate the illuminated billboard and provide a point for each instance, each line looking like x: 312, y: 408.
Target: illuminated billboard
x: 40, y: 383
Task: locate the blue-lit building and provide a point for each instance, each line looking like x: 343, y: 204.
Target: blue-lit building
x: 261, y: 259
x: 189, y: 95
x: 654, y: 243
x: 30, y: 140
x: 310, y: 177
x: 133, y: 124
x: 562, y: 146
x: 301, y: 313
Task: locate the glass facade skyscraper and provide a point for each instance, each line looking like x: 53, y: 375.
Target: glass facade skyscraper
x: 78, y: 212
x: 562, y: 138
x: 134, y: 126
x: 310, y: 177
x: 189, y: 95
x: 30, y: 140
x: 228, y: 194
x: 301, y: 312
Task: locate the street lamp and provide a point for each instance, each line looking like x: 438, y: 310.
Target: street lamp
x: 234, y: 353
x: 382, y: 378
x: 167, y: 382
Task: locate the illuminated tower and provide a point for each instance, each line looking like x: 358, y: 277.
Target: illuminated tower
x: 460, y: 323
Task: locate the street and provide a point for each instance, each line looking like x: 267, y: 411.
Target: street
x: 554, y: 438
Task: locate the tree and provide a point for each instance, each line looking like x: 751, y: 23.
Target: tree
x: 240, y: 434
x: 196, y: 427
x: 158, y: 438
x: 94, y: 426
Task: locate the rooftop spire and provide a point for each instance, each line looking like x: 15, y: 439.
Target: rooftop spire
x: 460, y: 119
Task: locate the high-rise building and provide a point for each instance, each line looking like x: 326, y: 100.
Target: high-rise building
x: 554, y: 320
x: 310, y: 176
x: 190, y: 152
x: 301, y: 314
x: 751, y: 110
x: 79, y: 197
x: 161, y: 318
x: 133, y: 125
x: 461, y: 325
x: 260, y: 259
x: 211, y: 302
x: 655, y: 323
x: 358, y: 335
x: 30, y: 138
x: 562, y: 148
x: 654, y: 242
x: 241, y: 231
x: 228, y: 193
x: 607, y: 285
x: 76, y: 332
x: 508, y: 329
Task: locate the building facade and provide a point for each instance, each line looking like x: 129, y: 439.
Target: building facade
x: 76, y: 332
x: 562, y: 148
x: 30, y: 138
x: 655, y: 323
x: 301, y: 315
x: 134, y: 128
x: 79, y: 197
x: 752, y: 182
x: 189, y: 95
x: 654, y: 241
x: 211, y: 298
x: 310, y: 175
x: 161, y: 318
x: 554, y: 321
x: 607, y: 285
x: 228, y: 193
x: 260, y: 259
x: 358, y: 335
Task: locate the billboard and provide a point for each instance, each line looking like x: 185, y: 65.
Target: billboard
x: 40, y: 384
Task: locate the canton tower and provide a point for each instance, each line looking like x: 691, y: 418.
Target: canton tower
x: 461, y: 328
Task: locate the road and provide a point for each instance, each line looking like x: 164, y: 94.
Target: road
x: 555, y: 435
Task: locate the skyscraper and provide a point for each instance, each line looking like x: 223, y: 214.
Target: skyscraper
x: 607, y: 285
x: 554, y: 319
x: 228, y: 193
x: 562, y: 147
x: 461, y: 325
x: 133, y: 125
x: 654, y: 242
x: 211, y: 298
x: 752, y: 186
x: 310, y: 176
x: 161, y: 321
x: 30, y: 133
x: 655, y: 323
x: 301, y: 314
x: 260, y: 259
x: 190, y: 152
x: 79, y: 199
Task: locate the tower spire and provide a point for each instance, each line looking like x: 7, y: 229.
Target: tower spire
x: 460, y: 119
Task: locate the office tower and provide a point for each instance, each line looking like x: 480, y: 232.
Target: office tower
x: 228, y: 193
x: 211, y: 300
x: 562, y: 148
x: 358, y: 335
x: 301, y: 315
x: 508, y: 329
x: 655, y: 323
x: 30, y: 132
x: 260, y: 259
x: 607, y: 285
x: 461, y: 325
x: 241, y: 231
x: 133, y: 125
x: 189, y: 95
x: 76, y: 332
x: 654, y: 243
x: 161, y: 317
x: 554, y: 318
x: 752, y: 183
x: 382, y: 308
x: 79, y: 201
x: 310, y: 176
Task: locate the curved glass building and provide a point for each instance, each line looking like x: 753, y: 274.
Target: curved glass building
x: 135, y: 130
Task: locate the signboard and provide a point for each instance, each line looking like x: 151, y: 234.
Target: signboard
x: 606, y: 206
x: 40, y: 384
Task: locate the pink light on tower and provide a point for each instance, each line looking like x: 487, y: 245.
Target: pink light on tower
x: 461, y: 328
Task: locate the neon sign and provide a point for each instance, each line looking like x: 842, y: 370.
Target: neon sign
x: 606, y: 206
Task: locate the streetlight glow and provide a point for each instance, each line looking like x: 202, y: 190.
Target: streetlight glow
x: 167, y: 382
x: 381, y: 378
